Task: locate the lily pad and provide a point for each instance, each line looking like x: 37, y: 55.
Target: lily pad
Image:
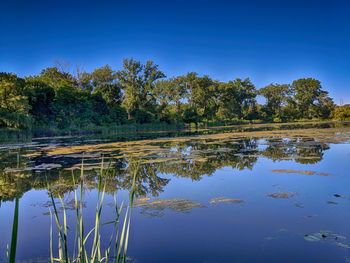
x: 342, y: 245
x: 313, y: 237
x: 338, y: 237
x: 329, y: 237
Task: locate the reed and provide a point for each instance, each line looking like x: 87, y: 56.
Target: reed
x: 85, y: 239
x: 12, y: 256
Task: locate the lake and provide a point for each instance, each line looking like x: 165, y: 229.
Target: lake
x: 253, y: 193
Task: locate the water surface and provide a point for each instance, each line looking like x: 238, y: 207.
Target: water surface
x: 219, y: 195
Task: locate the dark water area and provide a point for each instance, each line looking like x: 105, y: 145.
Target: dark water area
x: 252, y: 193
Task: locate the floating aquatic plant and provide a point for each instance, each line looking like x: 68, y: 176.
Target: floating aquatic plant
x: 225, y: 200
x: 327, y: 236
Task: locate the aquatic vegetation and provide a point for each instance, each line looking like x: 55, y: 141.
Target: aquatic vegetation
x: 300, y: 172
x: 11, y: 258
x: 68, y: 204
x: 299, y: 205
x: 340, y: 196
x: 293, y: 171
x: 332, y: 203
x: 155, y: 207
x: 225, y: 200
x: 146, y: 147
x: 43, y: 166
x: 283, y: 195
x: 120, y: 244
x: 329, y: 237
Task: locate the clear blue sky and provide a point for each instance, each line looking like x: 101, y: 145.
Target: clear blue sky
x: 268, y: 41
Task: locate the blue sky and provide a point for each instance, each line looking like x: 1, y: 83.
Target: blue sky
x: 268, y: 41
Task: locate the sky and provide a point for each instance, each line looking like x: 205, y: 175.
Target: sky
x: 268, y: 41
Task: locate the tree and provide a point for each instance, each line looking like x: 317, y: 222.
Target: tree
x: 104, y: 81
x: 306, y: 91
x: 54, y: 78
x: 191, y: 115
x: 237, y: 99
x: 323, y: 106
x: 14, y: 107
x: 246, y: 97
x: 171, y: 92
x: 203, y: 97
x: 40, y: 98
x: 190, y: 80
x: 229, y: 106
x: 276, y: 95
x: 137, y: 81
x: 341, y: 113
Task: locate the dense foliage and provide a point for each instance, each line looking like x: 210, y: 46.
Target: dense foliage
x: 141, y: 93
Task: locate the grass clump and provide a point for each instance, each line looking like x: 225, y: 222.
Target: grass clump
x: 87, y: 246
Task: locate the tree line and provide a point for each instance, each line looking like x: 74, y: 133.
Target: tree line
x: 141, y: 93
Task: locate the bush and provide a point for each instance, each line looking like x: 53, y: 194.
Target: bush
x: 341, y: 112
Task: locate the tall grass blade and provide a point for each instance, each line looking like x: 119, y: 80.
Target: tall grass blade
x: 14, y: 233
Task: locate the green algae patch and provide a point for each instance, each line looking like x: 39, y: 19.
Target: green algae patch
x: 41, y: 167
x: 225, y: 200
x: 157, y: 207
x: 293, y: 171
x: 283, y: 195
x: 286, y: 171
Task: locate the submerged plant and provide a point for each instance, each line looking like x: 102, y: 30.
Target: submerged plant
x: 84, y: 240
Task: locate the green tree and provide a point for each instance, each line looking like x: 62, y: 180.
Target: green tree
x: 237, y: 99
x: 14, y: 106
x: 229, y: 106
x: 341, y: 113
x: 137, y: 81
x: 40, y: 98
x: 171, y: 92
x: 104, y: 81
x: 276, y: 95
x: 323, y: 106
x: 203, y: 97
x: 306, y: 91
x: 191, y: 115
x: 190, y: 80
x: 54, y: 78
x: 246, y: 97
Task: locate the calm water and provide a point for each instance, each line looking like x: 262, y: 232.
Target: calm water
x: 223, y: 196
